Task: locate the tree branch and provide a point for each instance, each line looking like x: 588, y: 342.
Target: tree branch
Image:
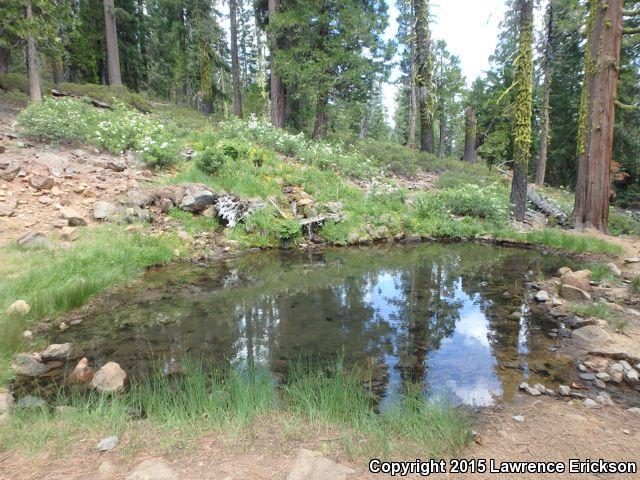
x: 630, y: 31
x: 631, y: 13
x: 626, y: 106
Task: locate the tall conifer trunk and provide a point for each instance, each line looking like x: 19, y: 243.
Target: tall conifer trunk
x: 470, y: 128
x: 111, y: 36
x: 541, y: 166
x: 278, y: 104
x: 235, y: 64
x: 522, y: 80
x: 424, y: 75
x: 32, y: 62
x: 597, y: 115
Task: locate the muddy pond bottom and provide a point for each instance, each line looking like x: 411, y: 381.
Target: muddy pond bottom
x: 453, y: 318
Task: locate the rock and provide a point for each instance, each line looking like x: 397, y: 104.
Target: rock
x: 8, y: 208
x: 534, y: 392
x: 106, y: 471
x: 575, y: 294
x: 56, y: 351
x: 196, y: 199
x: 632, y: 260
x: 210, y: 212
x: 518, y: 418
x: 578, y: 322
x: 82, y: 374
x: 63, y: 326
x: 542, y: 296
x: 587, y: 402
x: 614, y: 269
x: 28, y: 365
x: 30, y: 401
x: 72, y: 217
x: 591, y: 337
x: 109, y: 379
x: 603, y: 376
x: 108, y: 443
x: 103, y: 210
x: 631, y: 376
x: 580, y: 279
x: 634, y: 410
x: 34, y: 240
x: 184, y: 236
x: 40, y: 182
x: 515, y: 315
x: 27, y: 335
x: 115, y: 165
x: 564, y: 391
x: 541, y: 388
x: 605, y: 399
x: 9, y: 173
x: 19, y: 307
x: 564, y: 271
x: 6, y: 401
x: 616, y: 367
x: 588, y: 376
x: 166, y: 204
x: 68, y: 234
x: 310, y: 465
x: 600, y: 384
x: 523, y: 385
x: 152, y: 470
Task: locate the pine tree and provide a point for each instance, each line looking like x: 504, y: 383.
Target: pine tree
x: 522, y: 83
x: 424, y: 75
x: 113, y: 57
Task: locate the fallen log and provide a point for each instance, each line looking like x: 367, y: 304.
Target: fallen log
x: 94, y: 101
x: 545, y: 206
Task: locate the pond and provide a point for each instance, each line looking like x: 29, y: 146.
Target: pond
x: 440, y: 315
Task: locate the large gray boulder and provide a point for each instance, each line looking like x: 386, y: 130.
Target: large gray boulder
x: 56, y: 351
x: 196, y: 199
x: 591, y: 337
x: 103, y: 210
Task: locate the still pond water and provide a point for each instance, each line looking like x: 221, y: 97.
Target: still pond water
x: 439, y: 315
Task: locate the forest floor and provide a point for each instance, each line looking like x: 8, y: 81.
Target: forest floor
x: 553, y: 429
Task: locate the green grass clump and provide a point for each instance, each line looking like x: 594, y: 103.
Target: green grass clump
x: 621, y: 224
x: 635, y: 284
x: 564, y: 241
x: 233, y: 402
x: 598, y: 310
x: 599, y: 272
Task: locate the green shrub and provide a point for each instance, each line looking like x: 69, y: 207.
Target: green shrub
x: 621, y: 224
x: 489, y: 202
x: 289, y: 230
x: 210, y: 160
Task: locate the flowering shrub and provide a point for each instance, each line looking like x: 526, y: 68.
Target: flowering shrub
x: 321, y: 154
x: 118, y: 129
x: 488, y: 202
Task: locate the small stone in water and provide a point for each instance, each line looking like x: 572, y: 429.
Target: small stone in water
x: 604, y: 376
x: 523, y: 385
x: 587, y: 376
x: 532, y: 391
x: 600, y: 384
x: 564, y: 390
x: 518, y: 418
x: 590, y: 403
x: 541, y: 388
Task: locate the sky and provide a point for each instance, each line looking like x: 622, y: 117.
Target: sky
x: 470, y: 28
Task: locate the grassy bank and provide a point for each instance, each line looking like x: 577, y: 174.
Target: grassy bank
x: 55, y: 280
x: 237, y: 404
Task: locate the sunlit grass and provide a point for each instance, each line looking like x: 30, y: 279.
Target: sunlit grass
x: 564, y: 241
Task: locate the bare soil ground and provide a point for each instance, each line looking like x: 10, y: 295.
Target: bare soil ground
x: 553, y: 430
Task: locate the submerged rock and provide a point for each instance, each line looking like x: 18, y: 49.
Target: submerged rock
x: 56, y: 352
x: 109, y: 379
x: 564, y: 390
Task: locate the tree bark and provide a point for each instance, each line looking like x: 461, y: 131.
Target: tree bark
x: 111, y: 36
x: 235, y: 64
x: 523, y: 83
x: 32, y: 62
x: 4, y: 60
x: 470, y: 128
x: 424, y: 75
x: 541, y: 166
x: 442, y: 133
x: 413, y: 94
x: 278, y: 105
x: 597, y: 115
x: 320, y: 127
x: 364, y: 124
